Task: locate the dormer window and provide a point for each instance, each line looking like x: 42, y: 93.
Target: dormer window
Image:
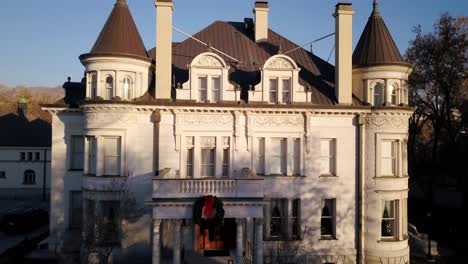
x: 273, y: 91
x: 286, y: 91
x: 128, y: 88
x: 109, y: 93
x: 202, y: 89
x: 216, y: 86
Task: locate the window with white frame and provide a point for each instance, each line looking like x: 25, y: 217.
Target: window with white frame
x: 2, y: 174
x: 278, y: 156
x: 29, y: 177
x: 94, y: 85
x: 286, y: 89
x: 208, y: 156
x: 77, y: 152
x: 389, y: 221
x: 216, y: 89
x: 109, y: 93
x: 128, y: 88
x: 328, y: 157
x: 389, y: 158
x: 328, y: 221
x: 111, y: 156
x: 297, y: 156
x: 22, y: 156
x: 189, y: 158
x: 261, y: 156
x: 378, y: 94
x: 278, y: 218
x: 37, y: 155
x: 273, y: 91
x: 202, y: 89
x: 394, y: 94
x: 226, y: 157
x: 91, y: 142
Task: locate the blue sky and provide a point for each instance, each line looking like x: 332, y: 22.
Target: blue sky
x: 40, y: 41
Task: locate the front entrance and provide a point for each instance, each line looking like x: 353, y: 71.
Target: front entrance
x: 224, y: 239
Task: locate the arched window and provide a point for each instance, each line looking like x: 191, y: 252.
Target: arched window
x: 128, y: 88
x: 29, y: 177
x: 378, y: 94
x: 394, y: 94
x: 93, y: 85
x: 109, y: 88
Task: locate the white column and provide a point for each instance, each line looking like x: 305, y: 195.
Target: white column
x: 156, y: 241
x: 258, y: 257
x: 240, y: 241
x: 176, y: 257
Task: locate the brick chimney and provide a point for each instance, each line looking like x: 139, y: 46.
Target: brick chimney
x: 343, y: 52
x: 164, y: 9
x: 261, y: 21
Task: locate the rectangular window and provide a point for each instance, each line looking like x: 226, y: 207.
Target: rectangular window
x: 88, y: 220
x: 278, y: 156
x: 23, y: 156
x: 2, y: 174
x: 75, y: 209
x: 91, y: 141
x: 30, y: 156
x: 37, y: 156
x: 112, y: 156
x: 202, y: 89
x: 207, y: 162
x: 286, y: 91
x: 279, y: 219
x: 327, y: 225
x: 297, y: 156
x: 93, y: 85
x: 216, y: 86
x: 327, y: 156
x: 226, y: 162
x: 296, y: 218
x: 190, y: 162
x: 273, y: 91
x: 110, y: 221
x: 389, y: 152
x: 261, y: 156
x: 388, y: 220
x: 77, y: 152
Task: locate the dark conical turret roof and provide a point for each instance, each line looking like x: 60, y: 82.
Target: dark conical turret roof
x: 376, y: 45
x: 120, y: 35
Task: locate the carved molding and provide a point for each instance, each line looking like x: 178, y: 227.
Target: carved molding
x: 390, y: 122
x: 111, y: 118
x: 206, y: 119
x: 279, y: 121
x: 209, y: 61
x: 280, y: 63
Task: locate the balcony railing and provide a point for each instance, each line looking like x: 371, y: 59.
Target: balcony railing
x: 248, y: 186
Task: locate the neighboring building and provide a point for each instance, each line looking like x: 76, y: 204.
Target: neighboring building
x: 24, y: 155
x: 297, y: 150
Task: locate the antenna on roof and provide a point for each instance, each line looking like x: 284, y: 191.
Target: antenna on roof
x: 203, y: 43
x: 309, y: 43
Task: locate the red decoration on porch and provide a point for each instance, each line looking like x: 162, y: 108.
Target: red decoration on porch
x: 208, y: 208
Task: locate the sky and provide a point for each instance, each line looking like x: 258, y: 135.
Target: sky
x: 40, y: 41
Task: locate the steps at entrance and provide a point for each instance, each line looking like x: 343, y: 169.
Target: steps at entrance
x: 195, y: 258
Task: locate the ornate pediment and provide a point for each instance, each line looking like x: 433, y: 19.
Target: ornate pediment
x: 280, y: 63
x: 208, y: 61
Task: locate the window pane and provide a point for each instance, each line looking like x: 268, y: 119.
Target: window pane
x: 91, y: 155
x: 388, y: 158
x: 202, y: 89
x: 93, y: 85
x: 207, y: 162
x: 327, y: 159
x: 112, y: 156
x: 77, y: 152
x: 109, y: 87
x: 273, y: 90
x: 296, y: 218
x: 216, y: 89
x: 388, y: 219
x: 278, y: 156
x: 378, y: 94
x: 328, y: 218
x: 226, y: 162
x: 297, y: 156
x: 286, y: 91
x: 278, y: 218
x: 190, y: 162
x: 261, y: 156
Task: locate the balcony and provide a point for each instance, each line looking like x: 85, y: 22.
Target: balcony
x: 247, y: 186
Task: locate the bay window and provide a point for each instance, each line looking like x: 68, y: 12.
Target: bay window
x: 389, y: 230
x: 389, y: 154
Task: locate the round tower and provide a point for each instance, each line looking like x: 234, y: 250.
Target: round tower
x: 380, y: 78
x: 118, y: 65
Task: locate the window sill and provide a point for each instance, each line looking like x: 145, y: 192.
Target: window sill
x: 390, y: 177
x: 328, y: 238
x: 328, y: 176
x: 384, y: 240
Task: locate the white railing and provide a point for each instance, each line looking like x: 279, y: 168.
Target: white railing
x: 207, y: 186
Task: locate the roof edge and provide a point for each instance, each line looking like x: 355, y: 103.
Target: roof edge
x: 114, y: 54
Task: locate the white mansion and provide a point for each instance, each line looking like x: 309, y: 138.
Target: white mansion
x: 302, y: 154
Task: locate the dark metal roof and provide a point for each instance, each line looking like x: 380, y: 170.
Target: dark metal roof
x: 120, y: 34
x: 238, y: 41
x: 20, y: 132
x: 376, y: 45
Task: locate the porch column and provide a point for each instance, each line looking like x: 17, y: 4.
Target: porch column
x: 239, y: 241
x: 176, y: 257
x: 156, y: 241
x: 258, y: 257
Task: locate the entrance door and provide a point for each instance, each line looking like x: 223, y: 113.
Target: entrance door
x: 225, y: 236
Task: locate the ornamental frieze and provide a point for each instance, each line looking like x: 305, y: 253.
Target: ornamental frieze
x: 111, y: 118
x: 280, y: 63
x: 279, y: 121
x: 206, y: 120
x: 386, y: 122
